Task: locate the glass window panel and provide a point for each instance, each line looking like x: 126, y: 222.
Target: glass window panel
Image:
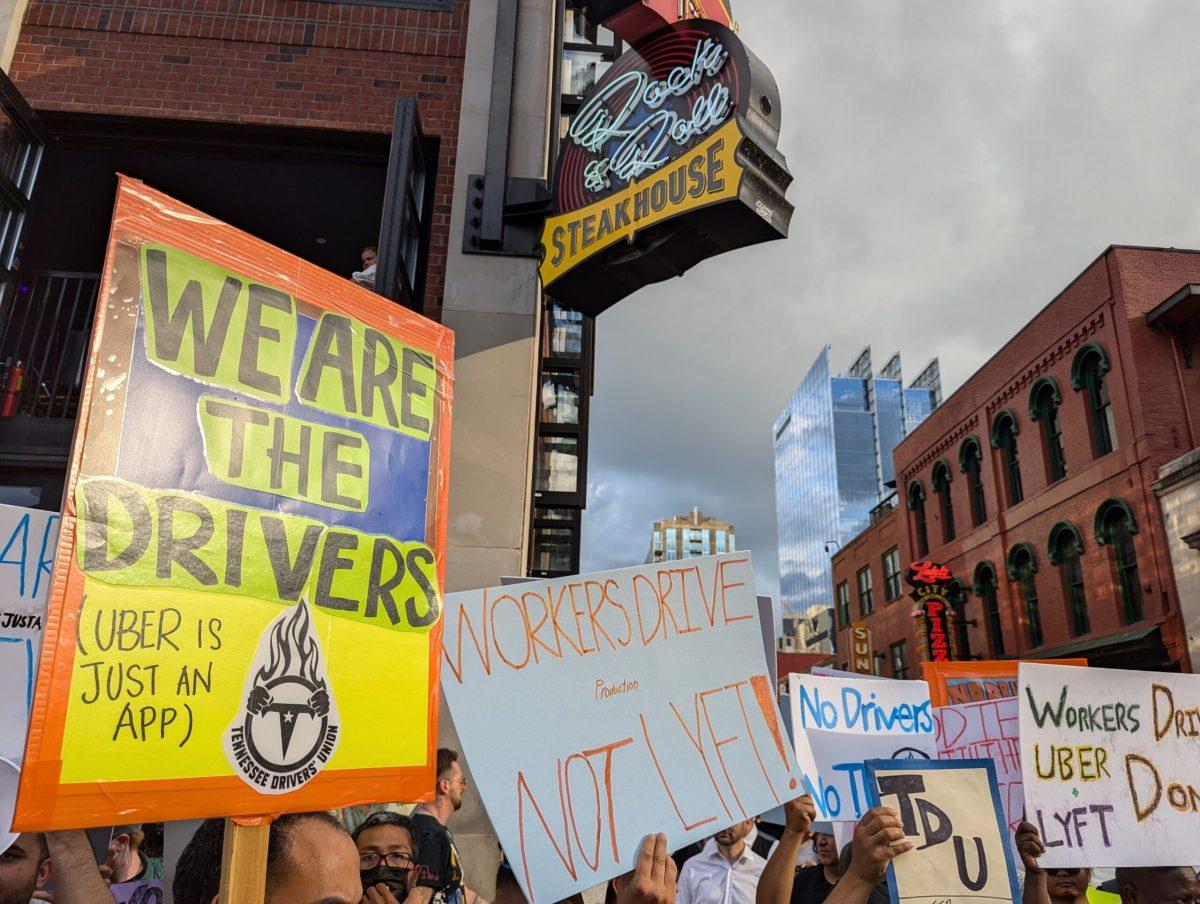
x: 552, y: 513
x: 552, y: 549
x: 582, y: 69
x: 560, y: 396
x: 558, y: 464
x: 563, y: 333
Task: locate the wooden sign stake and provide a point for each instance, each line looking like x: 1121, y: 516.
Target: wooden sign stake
x: 244, y: 860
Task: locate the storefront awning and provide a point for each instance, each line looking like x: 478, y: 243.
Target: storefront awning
x: 1137, y: 648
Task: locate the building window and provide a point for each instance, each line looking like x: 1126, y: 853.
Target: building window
x: 891, y: 574
x: 562, y: 333
x: 552, y: 549
x: 865, y: 604
x: 970, y: 462
x: 560, y: 396
x: 1115, y: 527
x: 1004, y: 438
x: 941, y: 485
x: 1066, y: 549
x: 916, y: 504
x: 987, y: 589
x: 405, y: 226
x: 557, y: 464
x: 1022, y: 569
x: 1044, y: 401
x: 843, y: 604
x: 1087, y: 376
x: 900, y: 659
x: 722, y: 542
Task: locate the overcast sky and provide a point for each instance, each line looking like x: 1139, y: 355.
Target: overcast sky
x: 956, y: 163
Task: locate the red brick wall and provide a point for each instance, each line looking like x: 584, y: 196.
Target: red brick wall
x: 1154, y: 406
x: 891, y: 620
x: 282, y: 62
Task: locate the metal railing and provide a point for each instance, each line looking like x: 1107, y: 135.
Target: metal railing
x: 44, y: 336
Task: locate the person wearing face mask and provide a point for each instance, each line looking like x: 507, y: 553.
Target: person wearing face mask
x: 387, y: 852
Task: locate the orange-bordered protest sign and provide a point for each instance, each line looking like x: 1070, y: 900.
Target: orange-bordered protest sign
x: 253, y: 539
x: 970, y: 681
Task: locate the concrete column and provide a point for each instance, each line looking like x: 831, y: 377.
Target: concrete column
x: 492, y: 303
x: 12, y: 13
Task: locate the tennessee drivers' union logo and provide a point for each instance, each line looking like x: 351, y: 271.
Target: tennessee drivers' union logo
x: 287, y: 727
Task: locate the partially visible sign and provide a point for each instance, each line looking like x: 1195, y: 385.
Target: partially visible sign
x: 671, y: 159
x: 933, y: 593
x: 862, y: 659
x: 1109, y: 759
x: 142, y: 892
x: 841, y: 763
x: 970, y: 682
x: 255, y: 521
x: 853, y: 708
x: 598, y: 708
x: 951, y: 811
x: 987, y: 730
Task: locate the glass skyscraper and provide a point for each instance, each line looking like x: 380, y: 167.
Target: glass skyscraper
x: 833, y: 457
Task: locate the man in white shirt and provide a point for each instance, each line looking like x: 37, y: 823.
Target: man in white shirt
x: 726, y: 871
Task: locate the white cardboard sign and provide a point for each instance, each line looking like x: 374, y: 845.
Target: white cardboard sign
x: 1109, y: 760
x: 987, y: 730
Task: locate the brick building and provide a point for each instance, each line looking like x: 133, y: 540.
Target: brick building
x: 1033, y: 482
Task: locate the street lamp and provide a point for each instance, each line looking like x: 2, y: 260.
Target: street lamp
x: 829, y: 543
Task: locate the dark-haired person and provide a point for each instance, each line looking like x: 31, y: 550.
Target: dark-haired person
x: 438, y: 867
x: 387, y: 851
x: 310, y: 860
x: 725, y: 871
x: 24, y: 868
x: 782, y: 882
x: 1158, y: 885
x: 878, y: 839
x: 1048, y: 886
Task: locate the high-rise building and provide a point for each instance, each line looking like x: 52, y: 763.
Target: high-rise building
x: 833, y: 461
x: 693, y: 534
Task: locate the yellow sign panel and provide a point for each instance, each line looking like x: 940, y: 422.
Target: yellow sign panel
x: 706, y: 174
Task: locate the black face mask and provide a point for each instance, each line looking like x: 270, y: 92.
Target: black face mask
x: 395, y: 879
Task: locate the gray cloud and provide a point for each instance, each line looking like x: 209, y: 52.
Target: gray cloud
x: 956, y: 165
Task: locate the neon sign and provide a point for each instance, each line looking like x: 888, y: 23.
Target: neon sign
x: 934, y: 590
x: 670, y: 160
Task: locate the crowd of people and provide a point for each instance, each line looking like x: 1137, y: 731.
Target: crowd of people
x: 392, y: 858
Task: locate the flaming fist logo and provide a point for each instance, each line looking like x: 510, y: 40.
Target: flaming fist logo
x: 288, y: 728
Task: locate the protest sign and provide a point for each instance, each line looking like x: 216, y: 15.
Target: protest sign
x: 1109, y: 763
x: 987, y: 730
x: 148, y: 891
x: 826, y: 672
x: 957, y: 682
x: 254, y: 524
x: 599, y: 708
x: 951, y: 811
x: 841, y: 765
x: 896, y: 710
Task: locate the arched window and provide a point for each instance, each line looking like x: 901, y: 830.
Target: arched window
x: 958, y: 603
x: 1115, y: 527
x: 970, y: 462
x: 1087, y: 376
x: 1044, y: 400
x: 1022, y: 570
x: 916, y: 504
x: 940, y: 481
x: 1004, y: 438
x: 987, y: 589
x: 1065, y: 550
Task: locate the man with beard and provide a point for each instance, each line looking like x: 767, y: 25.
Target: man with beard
x: 439, y: 871
x: 725, y: 871
x: 24, y: 868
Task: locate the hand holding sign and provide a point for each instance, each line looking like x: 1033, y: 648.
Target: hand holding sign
x: 879, y: 838
x: 653, y: 879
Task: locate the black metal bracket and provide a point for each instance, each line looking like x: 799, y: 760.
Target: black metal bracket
x: 526, y: 204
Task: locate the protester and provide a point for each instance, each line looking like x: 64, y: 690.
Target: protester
x: 782, y: 881
x: 126, y: 858
x: 24, y: 868
x: 387, y: 851
x: 310, y: 860
x: 878, y: 839
x: 1158, y: 885
x: 879, y: 894
x: 725, y: 871
x: 1055, y: 886
x: 438, y: 866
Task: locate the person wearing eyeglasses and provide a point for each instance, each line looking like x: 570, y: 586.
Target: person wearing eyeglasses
x: 1048, y: 886
x: 387, y: 850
